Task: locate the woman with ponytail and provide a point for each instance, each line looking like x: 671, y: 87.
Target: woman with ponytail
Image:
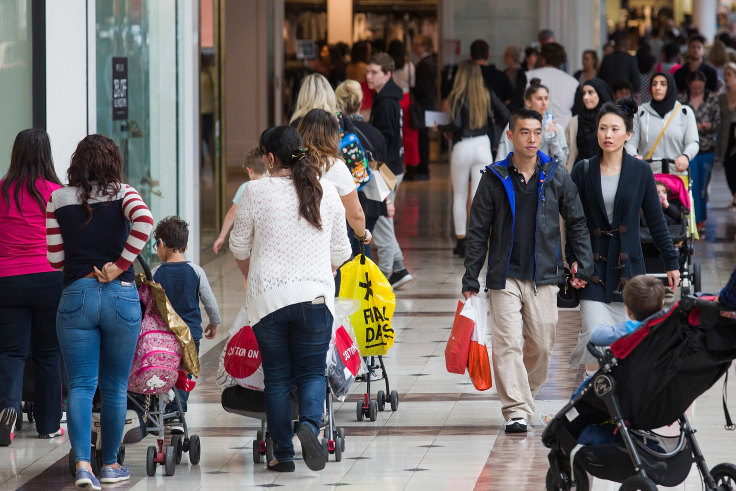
x: 289, y: 233
x: 612, y: 209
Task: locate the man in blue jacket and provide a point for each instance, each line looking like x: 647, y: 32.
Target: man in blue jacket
x: 517, y: 206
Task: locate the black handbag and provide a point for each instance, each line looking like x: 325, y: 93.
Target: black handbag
x: 568, y: 297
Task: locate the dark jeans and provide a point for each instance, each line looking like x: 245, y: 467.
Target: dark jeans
x: 184, y: 395
x: 28, y: 306
x: 98, y: 326
x: 701, y: 168
x: 293, y: 342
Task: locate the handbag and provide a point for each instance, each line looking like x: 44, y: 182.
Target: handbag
x: 568, y: 297
x: 416, y: 115
x: 458, y: 346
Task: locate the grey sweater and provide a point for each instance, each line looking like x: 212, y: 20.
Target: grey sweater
x: 680, y: 138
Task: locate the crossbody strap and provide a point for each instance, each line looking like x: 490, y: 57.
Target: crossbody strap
x: 649, y: 155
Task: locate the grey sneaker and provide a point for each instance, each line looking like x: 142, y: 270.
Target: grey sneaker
x: 113, y: 474
x: 400, y: 278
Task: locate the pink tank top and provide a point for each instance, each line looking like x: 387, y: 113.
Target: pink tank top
x: 23, y: 235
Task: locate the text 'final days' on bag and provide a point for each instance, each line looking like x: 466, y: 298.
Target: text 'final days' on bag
x: 362, y: 280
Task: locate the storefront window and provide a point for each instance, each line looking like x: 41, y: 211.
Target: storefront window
x: 136, y: 73
x: 16, y: 75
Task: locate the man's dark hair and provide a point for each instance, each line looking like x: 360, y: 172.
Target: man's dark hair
x: 620, y: 39
x: 696, y: 38
x: 553, y: 54
x: 384, y: 61
x: 479, y: 50
x: 671, y: 52
x: 644, y: 296
x: 174, y: 232
x: 621, y: 85
x: 523, y: 113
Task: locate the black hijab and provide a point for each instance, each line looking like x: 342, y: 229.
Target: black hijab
x: 670, y: 98
x: 587, y: 137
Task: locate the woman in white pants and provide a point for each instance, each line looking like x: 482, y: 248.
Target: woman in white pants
x: 472, y: 120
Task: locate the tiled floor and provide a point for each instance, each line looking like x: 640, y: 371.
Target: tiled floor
x: 445, y: 435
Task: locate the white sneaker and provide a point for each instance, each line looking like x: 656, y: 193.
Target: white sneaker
x: 516, y: 425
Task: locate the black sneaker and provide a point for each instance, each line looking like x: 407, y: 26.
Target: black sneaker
x: 516, y: 425
x: 7, y: 426
x: 400, y: 278
x: 311, y: 448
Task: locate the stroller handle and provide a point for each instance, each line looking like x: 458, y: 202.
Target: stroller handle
x: 593, y: 350
x: 145, y: 266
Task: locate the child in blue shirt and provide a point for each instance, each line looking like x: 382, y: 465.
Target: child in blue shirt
x: 185, y: 283
x: 643, y: 297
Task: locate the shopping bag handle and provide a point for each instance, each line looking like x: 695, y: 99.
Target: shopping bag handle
x: 362, y: 252
x: 145, y: 266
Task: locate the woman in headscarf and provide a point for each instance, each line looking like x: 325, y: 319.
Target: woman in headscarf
x: 664, y: 128
x: 581, y: 133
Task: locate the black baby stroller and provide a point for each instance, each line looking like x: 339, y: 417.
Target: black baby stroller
x: 251, y: 404
x: 605, y: 430
x: 682, y: 234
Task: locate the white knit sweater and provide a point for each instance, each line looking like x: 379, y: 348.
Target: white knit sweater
x: 290, y: 258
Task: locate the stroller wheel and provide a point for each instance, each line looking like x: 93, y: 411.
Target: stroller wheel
x: 72, y: 463
x: 325, y: 450
x: 28, y: 409
x: 178, y: 447
x: 359, y: 411
x: 121, y: 454
x: 19, y: 424
x: 259, y: 436
x: 256, y: 452
x: 341, y: 436
x: 194, y: 449
x: 372, y: 410
x: 697, y: 285
x: 151, y: 461
x: 581, y: 480
x: 394, y: 398
x: 96, y: 461
x: 724, y: 475
x: 170, y: 462
x: 381, y: 400
x: 338, y: 449
x: 638, y: 483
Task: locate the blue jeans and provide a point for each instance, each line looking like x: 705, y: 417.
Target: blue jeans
x: 293, y: 342
x: 98, y: 326
x: 700, y: 170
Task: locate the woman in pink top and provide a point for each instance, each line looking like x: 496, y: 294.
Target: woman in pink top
x: 29, y: 288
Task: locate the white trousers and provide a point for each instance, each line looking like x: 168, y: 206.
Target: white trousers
x: 468, y: 158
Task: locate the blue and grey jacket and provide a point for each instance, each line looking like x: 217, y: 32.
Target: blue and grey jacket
x: 492, y: 216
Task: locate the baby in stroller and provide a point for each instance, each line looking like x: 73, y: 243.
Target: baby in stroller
x: 606, y: 429
x: 672, y: 205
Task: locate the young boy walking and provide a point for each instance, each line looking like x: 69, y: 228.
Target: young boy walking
x: 185, y: 283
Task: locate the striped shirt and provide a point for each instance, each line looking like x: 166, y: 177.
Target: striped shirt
x: 118, y: 230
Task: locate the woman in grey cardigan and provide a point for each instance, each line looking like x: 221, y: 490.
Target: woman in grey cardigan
x: 680, y: 141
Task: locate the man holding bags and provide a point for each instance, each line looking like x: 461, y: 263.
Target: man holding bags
x: 517, y: 206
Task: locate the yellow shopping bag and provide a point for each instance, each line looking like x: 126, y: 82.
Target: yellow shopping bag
x: 362, y: 280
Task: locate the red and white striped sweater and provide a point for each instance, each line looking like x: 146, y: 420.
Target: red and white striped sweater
x: 117, y: 232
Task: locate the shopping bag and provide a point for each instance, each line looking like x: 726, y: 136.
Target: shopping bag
x: 343, y: 363
x: 362, y: 280
x: 458, y: 346
x: 479, y: 366
x: 240, y: 361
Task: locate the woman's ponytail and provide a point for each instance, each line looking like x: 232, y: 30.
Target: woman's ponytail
x: 306, y: 172
x: 286, y: 145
